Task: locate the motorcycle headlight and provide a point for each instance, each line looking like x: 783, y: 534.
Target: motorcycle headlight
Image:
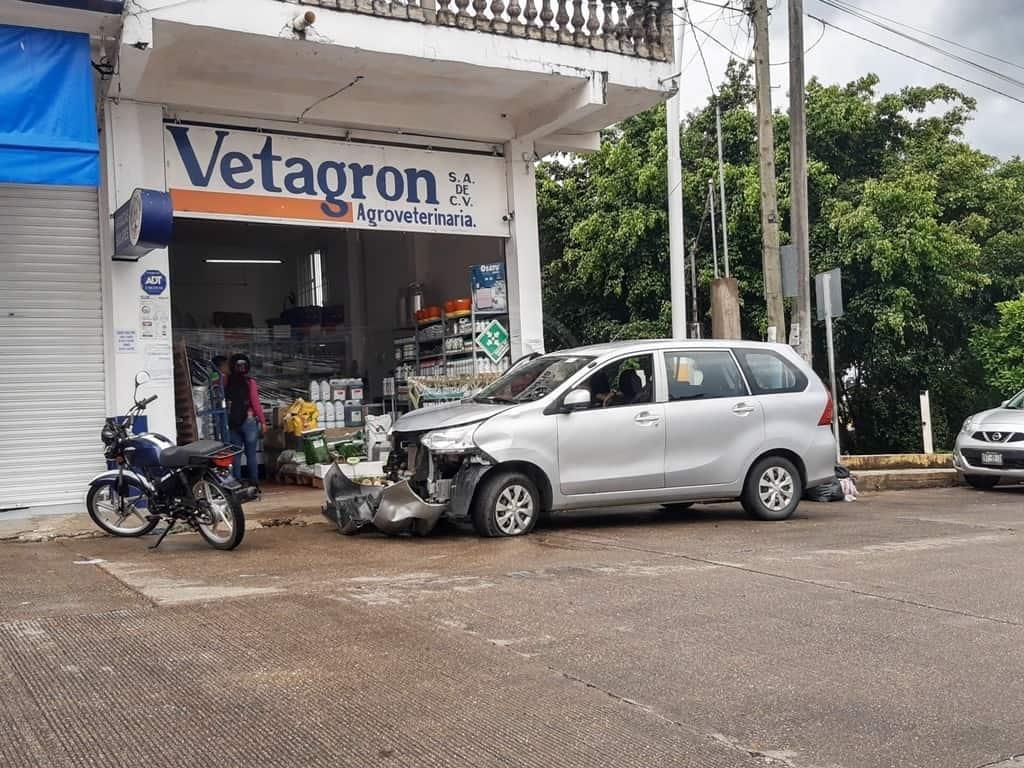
x: 453, y: 440
x: 108, y: 433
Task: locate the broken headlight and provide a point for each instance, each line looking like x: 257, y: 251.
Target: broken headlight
x: 452, y: 440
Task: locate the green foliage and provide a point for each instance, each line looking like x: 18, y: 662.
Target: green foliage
x: 1001, y: 348
x: 929, y: 233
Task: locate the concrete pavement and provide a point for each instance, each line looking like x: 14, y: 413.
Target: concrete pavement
x: 887, y: 632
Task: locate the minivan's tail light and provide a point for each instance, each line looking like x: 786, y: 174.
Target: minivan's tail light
x: 826, y: 415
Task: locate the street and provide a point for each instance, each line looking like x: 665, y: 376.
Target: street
x: 886, y: 632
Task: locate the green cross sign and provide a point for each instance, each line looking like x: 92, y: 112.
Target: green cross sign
x: 493, y: 340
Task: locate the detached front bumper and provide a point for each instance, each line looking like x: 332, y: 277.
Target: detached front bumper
x: 394, y: 509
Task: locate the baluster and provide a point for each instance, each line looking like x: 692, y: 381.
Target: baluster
x: 462, y: 16
x: 593, y: 24
x: 480, y: 19
x: 636, y: 27
x: 547, y: 15
x: 562, y: 20
x: 578, y: 36
x: 515, y: 24
x: 651, y: 38
x: 531, y: 19
x: 443, y: 12
x: 607, y: 27
x: 622, y: 29
x: 498, y: 23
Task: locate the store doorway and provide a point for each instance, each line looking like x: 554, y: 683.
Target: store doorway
x: 307, y: 304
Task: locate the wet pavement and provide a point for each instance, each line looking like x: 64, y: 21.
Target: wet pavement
x: 887, y: 632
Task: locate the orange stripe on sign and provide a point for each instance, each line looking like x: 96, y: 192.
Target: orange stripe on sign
x: 267, y: 206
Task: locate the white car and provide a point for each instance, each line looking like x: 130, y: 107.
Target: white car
x: 990, y: 446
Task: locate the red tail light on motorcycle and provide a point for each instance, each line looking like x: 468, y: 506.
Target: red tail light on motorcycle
x: 223, y: 461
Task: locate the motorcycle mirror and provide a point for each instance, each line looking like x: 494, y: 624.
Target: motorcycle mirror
x: 142, y: 377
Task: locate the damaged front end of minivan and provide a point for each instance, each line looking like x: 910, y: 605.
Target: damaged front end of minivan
x: 431, y: 474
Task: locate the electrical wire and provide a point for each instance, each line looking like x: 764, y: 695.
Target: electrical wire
x: 919, y: 61
x: 839, y: 6
x: 933, y: 35
x: 700, y: 50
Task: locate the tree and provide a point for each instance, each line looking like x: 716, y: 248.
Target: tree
x: 1001, y: 348
x: 928, y: 231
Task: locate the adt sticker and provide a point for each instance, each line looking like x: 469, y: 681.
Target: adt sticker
x: 154, y: 282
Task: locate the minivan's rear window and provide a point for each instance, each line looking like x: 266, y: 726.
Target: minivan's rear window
x: 769, y: 373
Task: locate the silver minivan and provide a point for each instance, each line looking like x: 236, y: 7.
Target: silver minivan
x: 639, y: 422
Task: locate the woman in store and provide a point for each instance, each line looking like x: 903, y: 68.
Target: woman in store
x: 245, y: 416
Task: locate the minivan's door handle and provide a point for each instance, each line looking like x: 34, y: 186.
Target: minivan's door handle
x: 742, y: 409
x: 645, y: 417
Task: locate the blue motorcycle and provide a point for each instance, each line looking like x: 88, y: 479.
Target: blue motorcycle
x: 156, y: 480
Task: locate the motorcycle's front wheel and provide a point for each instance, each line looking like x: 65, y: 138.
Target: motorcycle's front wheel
x: 222, y: 522
x: 120, y: 513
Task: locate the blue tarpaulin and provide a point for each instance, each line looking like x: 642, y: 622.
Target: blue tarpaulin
x: 48, y: 131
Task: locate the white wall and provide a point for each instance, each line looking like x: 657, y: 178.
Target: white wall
x: 135, y: 132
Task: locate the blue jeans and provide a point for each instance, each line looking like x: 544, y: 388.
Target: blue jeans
x: 248, y: 437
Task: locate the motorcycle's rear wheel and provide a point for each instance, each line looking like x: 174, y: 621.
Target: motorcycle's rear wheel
x: 227, y: 527
x: 111, y: 510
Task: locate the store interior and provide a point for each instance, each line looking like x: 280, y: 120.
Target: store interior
x: 312, y: 304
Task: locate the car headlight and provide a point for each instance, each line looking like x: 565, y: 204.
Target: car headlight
x: 453, y: 440
x: 968, y: 425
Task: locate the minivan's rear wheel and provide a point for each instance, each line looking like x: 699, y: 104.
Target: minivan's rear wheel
x: 506, y: 504
x: 773, y: 489
x: 981, y: 482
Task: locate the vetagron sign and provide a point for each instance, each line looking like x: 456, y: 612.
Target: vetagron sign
x: 244, y: 174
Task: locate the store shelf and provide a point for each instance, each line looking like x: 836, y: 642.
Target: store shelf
x: 465, y: 335
x: 431, y: 322
x: 491, y: 313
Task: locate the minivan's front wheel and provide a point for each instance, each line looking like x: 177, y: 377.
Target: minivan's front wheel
x: 773, y: 489
x: 506, y: 504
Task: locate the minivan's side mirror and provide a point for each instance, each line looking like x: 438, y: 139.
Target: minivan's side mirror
x: 577, y: 400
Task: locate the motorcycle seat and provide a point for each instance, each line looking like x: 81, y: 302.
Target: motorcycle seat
x: 184, y: 455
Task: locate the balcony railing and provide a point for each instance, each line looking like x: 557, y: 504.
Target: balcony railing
x: 632, y: 27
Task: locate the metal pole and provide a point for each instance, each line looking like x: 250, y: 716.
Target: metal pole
x: 714, y: 236
x: 676, y: 241
x: 693, y: 282
x: 721, y: 187
x: 826, y: 289
x: 798, y: 165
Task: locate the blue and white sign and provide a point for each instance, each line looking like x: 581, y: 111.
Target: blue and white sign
x: 154, y: 282
x: 142, y: 224
x: 243, y: 174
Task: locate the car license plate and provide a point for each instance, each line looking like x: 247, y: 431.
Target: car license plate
x: 991, y: 457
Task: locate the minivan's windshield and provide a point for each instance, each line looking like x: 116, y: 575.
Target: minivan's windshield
x: 532, y: 380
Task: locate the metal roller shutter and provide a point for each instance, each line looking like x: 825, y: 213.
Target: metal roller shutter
x: 52, y: 401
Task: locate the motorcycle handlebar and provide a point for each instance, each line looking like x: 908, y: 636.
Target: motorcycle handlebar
x: 147, y: 401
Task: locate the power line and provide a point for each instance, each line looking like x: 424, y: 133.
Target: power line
x: 934, y: 36
x: 839, y: 6
x: 700, y: 50
x: 711, y: 37
x: 919, y: 61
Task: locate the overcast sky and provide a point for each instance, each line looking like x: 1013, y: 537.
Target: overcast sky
x: 992, y: 26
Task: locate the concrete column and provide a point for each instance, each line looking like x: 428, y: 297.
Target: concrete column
x: 356, y: 308
x: 522, y: 252
x: 133, y: 151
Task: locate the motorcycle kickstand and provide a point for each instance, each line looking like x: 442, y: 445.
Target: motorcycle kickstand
x: 167, y: 530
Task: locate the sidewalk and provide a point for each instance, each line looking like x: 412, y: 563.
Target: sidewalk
x: 280, y: 505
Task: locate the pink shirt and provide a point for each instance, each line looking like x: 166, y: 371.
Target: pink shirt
x: 254, y: 403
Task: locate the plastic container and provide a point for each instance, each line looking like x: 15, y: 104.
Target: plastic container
x: 314, y: 391
x: 314, y: 445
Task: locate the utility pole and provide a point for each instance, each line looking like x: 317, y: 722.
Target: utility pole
x: 676, y: 242
x: 721, y: 187
x: 799, y: 216
x: 771, y: 265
